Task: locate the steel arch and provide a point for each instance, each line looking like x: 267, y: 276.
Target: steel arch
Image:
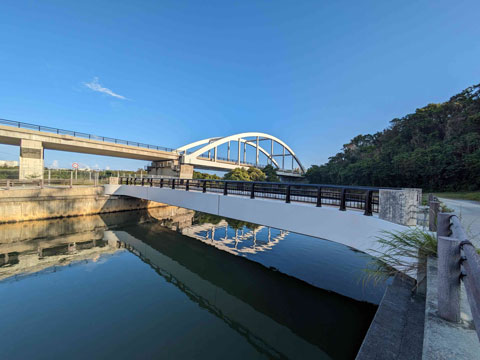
x: 215, y: 142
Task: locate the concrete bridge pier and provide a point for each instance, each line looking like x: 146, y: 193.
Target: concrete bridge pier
x: 31, y: 159
x: 171, y: 168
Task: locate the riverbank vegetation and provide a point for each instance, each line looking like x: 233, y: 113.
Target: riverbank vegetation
x: 268, y: 173
x: 460, y: 195
x: 401, y: 251
x: 435, y: 148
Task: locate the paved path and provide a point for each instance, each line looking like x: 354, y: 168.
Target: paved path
x: 469, y: 214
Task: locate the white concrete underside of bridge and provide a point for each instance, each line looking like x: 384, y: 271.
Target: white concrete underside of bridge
x: 350, y: 227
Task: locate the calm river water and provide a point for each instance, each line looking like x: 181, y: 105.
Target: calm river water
x: 169, y: 283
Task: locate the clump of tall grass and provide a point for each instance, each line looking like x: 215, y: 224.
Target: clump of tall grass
x: 401, y: 251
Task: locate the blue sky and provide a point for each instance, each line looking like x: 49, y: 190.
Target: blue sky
x: 313, y: 73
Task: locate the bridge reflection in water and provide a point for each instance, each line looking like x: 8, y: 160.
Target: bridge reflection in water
x: 276, y: 315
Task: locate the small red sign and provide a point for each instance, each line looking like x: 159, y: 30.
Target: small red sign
x: 75, y: 165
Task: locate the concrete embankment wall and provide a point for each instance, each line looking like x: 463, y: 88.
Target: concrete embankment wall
x: 47, y: 203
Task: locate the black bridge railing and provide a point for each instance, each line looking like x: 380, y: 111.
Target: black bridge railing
x: 343, y: 197
x: 23, y: 125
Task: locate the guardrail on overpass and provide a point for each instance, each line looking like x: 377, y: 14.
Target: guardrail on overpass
x: 82, y: 135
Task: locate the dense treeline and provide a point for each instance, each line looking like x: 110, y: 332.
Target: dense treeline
x: 268, y: 173
x: 435, y: 148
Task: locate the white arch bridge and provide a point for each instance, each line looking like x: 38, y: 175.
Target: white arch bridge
x: 238, y: 150
x: 219, y: 153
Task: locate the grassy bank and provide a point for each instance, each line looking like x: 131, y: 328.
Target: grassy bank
x: 468, y: 195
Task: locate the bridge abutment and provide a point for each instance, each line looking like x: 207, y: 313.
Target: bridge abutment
x: 31, y: 159
x: 171, y: 168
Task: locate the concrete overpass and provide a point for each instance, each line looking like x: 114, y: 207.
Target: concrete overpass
x: 180, y: 163
x: 33, y: 141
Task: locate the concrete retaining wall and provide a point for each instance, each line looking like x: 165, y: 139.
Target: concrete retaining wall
x: 34, y: 204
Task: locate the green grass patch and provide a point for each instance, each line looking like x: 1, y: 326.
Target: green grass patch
x: 401, y: 251
x: 467, y: 195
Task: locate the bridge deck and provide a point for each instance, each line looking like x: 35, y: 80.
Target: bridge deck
x: 350, y: 228
x: 95, y: 145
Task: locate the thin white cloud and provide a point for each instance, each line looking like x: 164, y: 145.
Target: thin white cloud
x: 54, y: 164
x: 95, y: 86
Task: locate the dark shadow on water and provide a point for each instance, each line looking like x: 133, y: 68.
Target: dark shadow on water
x: 333, y: 322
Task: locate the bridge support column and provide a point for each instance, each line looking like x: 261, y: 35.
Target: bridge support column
x: 186, y: 171
x: 172, y: 169
x: 31, y: 160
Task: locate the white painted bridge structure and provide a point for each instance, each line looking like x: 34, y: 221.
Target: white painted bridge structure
x: 204, y: 153
x: 349, y: 227
x: 217, y: 153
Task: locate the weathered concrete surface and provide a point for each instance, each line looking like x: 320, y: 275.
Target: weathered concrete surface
x: 396, y: 331
x: 171, y: 168
x: 31, y: 160
x: 400, y: 206
x: 443, y: 339
x: 54, y: 202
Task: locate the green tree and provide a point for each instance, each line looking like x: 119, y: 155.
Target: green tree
x: 239, y: 174
x: 435, y: 148
x: 256, y: 174
x: 242, y: 174
x: 200, y: 175
x: 270, y: 173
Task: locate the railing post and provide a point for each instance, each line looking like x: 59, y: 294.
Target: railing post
x: 134, y: 181
x: 343, y: 200
x: 432, y: 215
x: 449, y: 278
x: 173, y: 184
x: 448, y: 271
x: 204, y: 186
x: 319, y: 197
x: 8, y: 184
x: 143, y: 181
x: 252, y: 193
x: 225, y: 188
x: 151, y: 182
x: 187, y: 185
x: 120, y: 181
x: 368, y: 203
x: 161, y: 182
x: 287, y: 196
x: 71, y: 178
